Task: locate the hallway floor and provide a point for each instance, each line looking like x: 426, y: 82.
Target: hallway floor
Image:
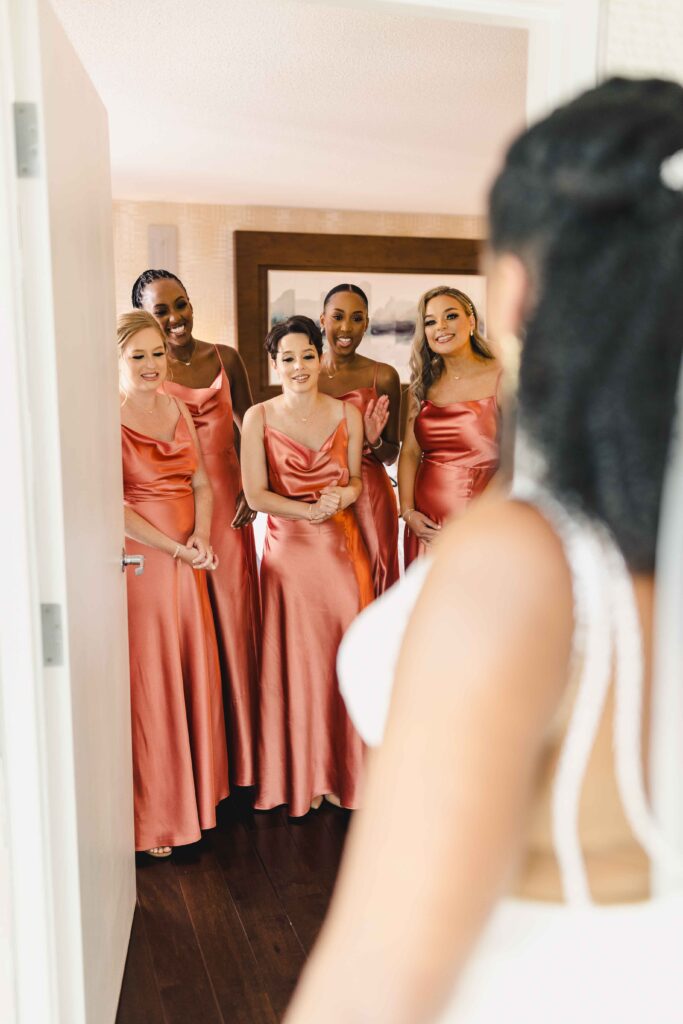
x: 222, y: 929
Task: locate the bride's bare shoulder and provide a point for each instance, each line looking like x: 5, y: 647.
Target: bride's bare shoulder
x: 502, y: 535
x: 500, y: 572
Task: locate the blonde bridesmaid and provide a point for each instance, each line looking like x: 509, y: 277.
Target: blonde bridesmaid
x: 450, y: 444
x: 180, y: 766
x: 212, y: 381
x: 374, y: 388
x: 302, y: 466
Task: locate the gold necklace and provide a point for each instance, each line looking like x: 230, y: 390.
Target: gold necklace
x: 179, y: 360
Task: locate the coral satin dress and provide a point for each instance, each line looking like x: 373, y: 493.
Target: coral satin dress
x: 180, y: 763
x: 459, y: 443
x: 376, y: 509
x: 233, y: 586
x: 315, y: 578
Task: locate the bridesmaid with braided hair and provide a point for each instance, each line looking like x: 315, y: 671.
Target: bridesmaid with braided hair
x: 212, y: 382
x: 450, y: 444
x: 374, y: 388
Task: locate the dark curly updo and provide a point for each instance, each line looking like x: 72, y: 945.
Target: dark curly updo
x: 294, y: 325
x: 582, y: 202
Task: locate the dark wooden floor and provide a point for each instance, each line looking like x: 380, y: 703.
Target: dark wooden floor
x: 222, y: 929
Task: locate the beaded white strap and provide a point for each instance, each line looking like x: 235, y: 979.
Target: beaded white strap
x: 592, y: 651
x: 628, y: 718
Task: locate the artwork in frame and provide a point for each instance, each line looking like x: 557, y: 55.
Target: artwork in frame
x: 292, y: 271
x: 392, y: 300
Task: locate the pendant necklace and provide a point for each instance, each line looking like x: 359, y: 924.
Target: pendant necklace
x: 187, y: 363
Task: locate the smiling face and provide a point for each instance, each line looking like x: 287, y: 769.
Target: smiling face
x: 297, y: 363
x: 168, y: 303
x: 447, y: 325
x: 345, y: 321
x: 142, y: 363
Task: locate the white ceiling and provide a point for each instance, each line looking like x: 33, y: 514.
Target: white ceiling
x: 291, y: 103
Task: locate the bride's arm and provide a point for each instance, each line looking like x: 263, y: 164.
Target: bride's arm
x: 481, y: 673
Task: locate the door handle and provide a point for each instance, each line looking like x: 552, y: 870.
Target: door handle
x: 137, y: 560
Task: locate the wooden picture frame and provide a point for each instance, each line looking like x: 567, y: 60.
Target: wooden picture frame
x: 257, y: 252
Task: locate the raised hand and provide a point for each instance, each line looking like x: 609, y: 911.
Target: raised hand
x: 375, y: 418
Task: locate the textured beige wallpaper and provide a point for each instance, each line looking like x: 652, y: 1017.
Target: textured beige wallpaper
x: 205, y: 246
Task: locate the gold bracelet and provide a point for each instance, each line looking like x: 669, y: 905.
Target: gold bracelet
x: 177, y: 550
x: 374, y: 447
x: 405, y: 514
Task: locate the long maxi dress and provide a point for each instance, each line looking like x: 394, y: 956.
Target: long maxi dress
x: 180, y: 764
x: 234, y: 585
x: 376, y: 509
x: 315, y: 578
x: 459, y: 443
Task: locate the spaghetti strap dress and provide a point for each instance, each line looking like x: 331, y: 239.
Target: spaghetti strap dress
x: 180, y: 765
x: 575, y: 960
x: 376, y: 509
x: 233, y: 586
x: 315, y: 578
x: 459, y: 443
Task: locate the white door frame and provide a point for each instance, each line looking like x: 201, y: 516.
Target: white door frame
x: 44, y: 979
x: 32, y: 952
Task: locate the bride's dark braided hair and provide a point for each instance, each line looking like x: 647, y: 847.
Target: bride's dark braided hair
x: 581, y: 200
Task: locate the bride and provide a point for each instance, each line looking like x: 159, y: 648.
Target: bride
x: 514, y: 858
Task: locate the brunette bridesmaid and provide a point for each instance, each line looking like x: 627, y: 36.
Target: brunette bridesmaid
x: 302, y: 465
x: 450, y: 444
x: 212, y: 381
x: 180, y: 766
x: 374, y: 388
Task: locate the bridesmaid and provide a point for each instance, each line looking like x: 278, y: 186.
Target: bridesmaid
x: 302, y: 465
x: 180, y: 764
x: 450, y: 444
x: 374, y: 388
x: 212, y: 381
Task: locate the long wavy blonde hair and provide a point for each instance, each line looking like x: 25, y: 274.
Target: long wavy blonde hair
x: 426, y: 366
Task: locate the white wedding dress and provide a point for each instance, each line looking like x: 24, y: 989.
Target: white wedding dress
x: 570, y: 962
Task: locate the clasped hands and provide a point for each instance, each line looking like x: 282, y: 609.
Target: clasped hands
x: 327, y: 505
x: 198, y: 553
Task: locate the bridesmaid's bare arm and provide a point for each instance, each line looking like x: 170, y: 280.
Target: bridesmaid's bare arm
x: 241, y: 401
x: 240, y: 390
x: 408, y: 464
x: 138, y: 529
x: 465, y: 737
x: 255, y: 475
x: 203, y: 495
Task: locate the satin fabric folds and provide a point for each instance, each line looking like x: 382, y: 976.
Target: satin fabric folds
x: 314, y: 581
x: 233, y: 586
x: 376, y: 509
x: 180, y: 765
x: 459, y: 443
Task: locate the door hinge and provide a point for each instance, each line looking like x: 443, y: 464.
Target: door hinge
x: 26, y: 139
x: 53, y: 636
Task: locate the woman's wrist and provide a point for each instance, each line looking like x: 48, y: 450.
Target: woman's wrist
x: 377, y: 445
x: 406, y: 515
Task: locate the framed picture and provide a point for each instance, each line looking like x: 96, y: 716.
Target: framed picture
x: 281, y: 273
